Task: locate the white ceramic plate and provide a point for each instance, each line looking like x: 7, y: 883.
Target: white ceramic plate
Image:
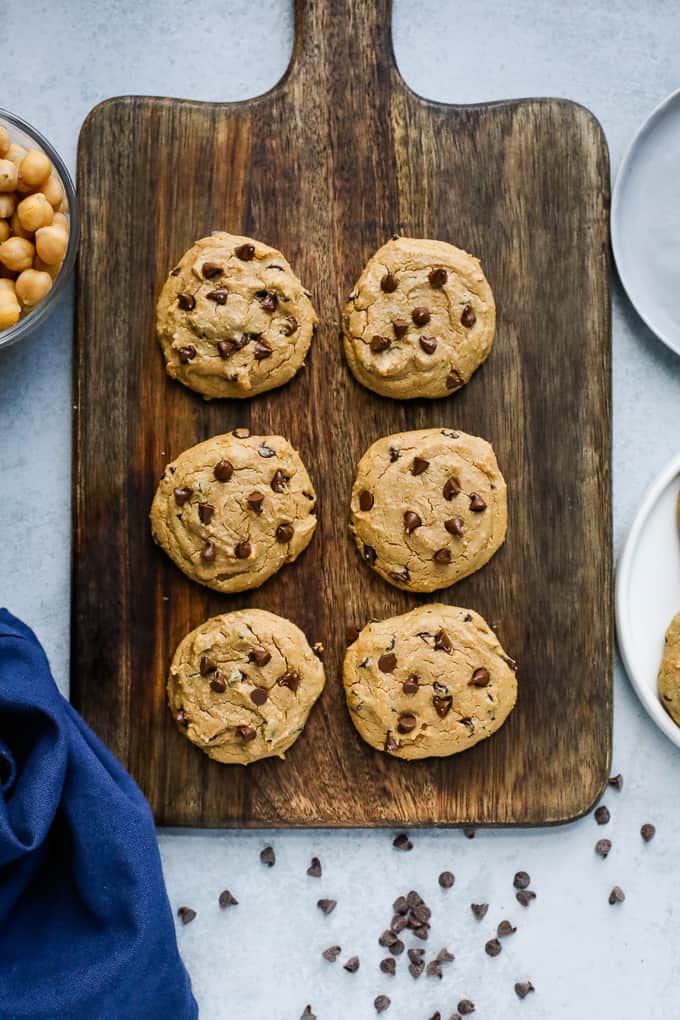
x: 648, y: 591
x: 645, y: 222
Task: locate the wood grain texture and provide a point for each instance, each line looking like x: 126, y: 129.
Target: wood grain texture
x: 326, y: 166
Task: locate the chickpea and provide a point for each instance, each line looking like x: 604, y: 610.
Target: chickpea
x: 15, y: 224
x: 16, y: 253
x: 15, y: 154
x: 34, y: 170
x: 51, y: 243
x: 9, y: 175
x: 8, y: 204
x: 35, y: 212
x: 52, y: 190
x: 4, y: 230
x: 32, y: 286
x: 10, y: 309
x: 4, y: 140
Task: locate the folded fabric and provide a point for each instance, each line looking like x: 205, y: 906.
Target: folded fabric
x: 86, y: 929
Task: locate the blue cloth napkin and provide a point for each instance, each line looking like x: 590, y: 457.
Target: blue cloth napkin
x: 86, y: 931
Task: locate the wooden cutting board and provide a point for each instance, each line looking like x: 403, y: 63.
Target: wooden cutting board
x: 326, y: 166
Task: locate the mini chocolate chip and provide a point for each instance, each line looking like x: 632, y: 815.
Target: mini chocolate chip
x: 390, y: 743
x: 616, y: 781
x: 521, y: 880
x: 388, y: 965
x: 480, y: 677
x: 181, y: 719
x: 442, y: 556
x: 245, y: 252
x: 442, y: 642
x: 525, y: 896
x: 477, y: 504
x: 268, y: 857
x: 211, y: 269
x: 269, y: 301
x: 262, y: 350
x: 505, y: 928
x: 454, y: 526
x: 419, y: 465
x: 493, y: 947
x: 223, y: 470
x: 226, y: 348
x: 387, y: 662
x: 365, y: 500
x: 468, y: 318
x: 284, y: 532
x: 279, y: 481
x: 603, y: 847
x: 243, y: 550
x: 187, y: 302
x: 454, y: 380
x: 380, y: 343
x: 381, y: 1003
x: 259, y: 695
x: 186, y: 915
x: 326, y: 906
x: 617, y: 895
x: 290, y: 679
x: 406, y: 722
x: 648, y: 832
x: 433, y: 969
x: 479, y: 910
x: 428, y: 344
x: 522, y: 989
x: 412, y: 521
x: 260, y: 656
x: 205, y: 512
x: 370, y: 555
x: 446, y: 879
x: 217, y: 682
x: 442, y: 705
x: 332, y: 953
x: 410, y: 685
x: 219, y: 295
x: 420, y: 315
x: 352, y: 633
x: 437, y: 277
x: 247, y: 733
x: 209, y: 552
x: 388, y: 283
x: 451, y: 488
x: 602, y: 815
x: 255, y: 500
x: 227, y: 900
x: 289, y: 326
x: 416, y: 968
x: 183, y: 496
x: 466, y: 1007
x: 400, y: 327
x: 187, y: 353
x: 314, y: 869
x: 207, y: 665
x: 402, y: 842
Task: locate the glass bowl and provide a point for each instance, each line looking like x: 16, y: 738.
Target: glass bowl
x: 24, y: 134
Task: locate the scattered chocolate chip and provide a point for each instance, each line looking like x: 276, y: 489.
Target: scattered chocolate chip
x: 217, y: 682
x: 268, y: 857
x: 223, y: 470
x: 268, y: 300
x: 468, y: 318
x: 397, y: 948
x: 416, y: 968
x: 446, y: 879
x: 398, y: 923
x: 245, y: 252
x: 352, y: 965
x: 419, y: 465
x: 279, y: 481
x: 211, y: 269
x: 420, y: 315
x: 187, y: 353
x: 209, y: 552
x: 451, y: 488
x: 387, y: 662
x: 207, y: 665
x: 247, y: 733
x: 467, y: 832
x: 401, y: 906
x: 401, y: 576
x: 479, y: 910
x: 437, y: 277
x: 433, y: 969
x: 284, y: 532
x: 370, y: 555
x: 505, y: 928
x: 380, y: 343
x: 442, y: 706
x: 243, y: 550
x: 180, y: 717
x: 421, y: 932
x: 410, y: 685
x: 648, y: 831
x: 381, y: 1003
x: 402, y: 842
x: 259, y: 695
x: 420, y: 914
x: 522, y: 989
x: 602, y: 815
x: 454, y: 380
x: 366, y: 500
x: 480, y: 677
x: 314, y: 869
x: 289, y: 326
x: 395, y: 453
x: 307, y: 1014
x: 262, y: 350
x: 219, y: 295
x: 415, y: 955
x: 603, y: 847
x: 388, y: 284
x: 444, y: 956
x: 291, y: 680
x: 400, y: 327
x: 406, y: 722
x: 428, y: 344
x: 226, y: 348
x: 186, y: 915
x: 477, y: 504
x: 617, y: 895
x: 183, y: 496
x: 454, y: 526
x: 442, y: 642
x: 414, y: 899
x: 442, y: 556
x: 388, y: 965
x: 255, y: 500
x: 493, y: 947
x: 205, y: 512
x: 465, y: 1007
x: 387, y: 939
x: 436, y: 1016
x: 227, y: 900
x: 187, y: 302
x: 412, y: 521
x: 522, y: 880
x: 260, y: 656
x: 616, y: 781
x: 525, y: 896
x: 332, y: 953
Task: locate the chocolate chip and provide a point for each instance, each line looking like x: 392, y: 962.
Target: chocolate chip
x: 390, y: 743
x: 616, y: 781
x: 332, y: 953
x: 183, y: 496
x: 442, y: 642
x: 290, y: 679
x: 395, y: 453
x: 268, y: 300
x: 217, y: 682
x: 209, y: 552
x: 388, y: 283
x: 398, y: 923
x: 468, y: 318
x: 211, y: 269
x: 428, y: 344
x: 227, y: 900
x: 307, y: 1014
x: 603, y: 847
x: 437, y: 277
x: 388, y: 965
x: 365, y: 500
x: 522, y: 989
x: 245, y: 252
x: 181, y: 719
x: 176, y: 271
x: 370, y: 555
x: 436, y: 1016
x: 446, y: 879
x: 262, y: 350
x: 406, y: 722
x: 477, y: 504
x: 479, y: 910
x: 380, y: 343
x: 505, y: 928
x: 289, y: 326
x: 416, y: 968
x: 419, y: 465
x: 602, y: 815
x: 415, y: 955
x: 219, y: 295
x: 493, y: 947
x: 444, y: 956
x: 223, y: 470
x: 387, y: 939
x: 480, y: 677
x: 260, y: 656
x: 226, y: 348
x: 259, y: 695
x: 387, y: 662
x: 243, y: 550
x: 410, y: 685
x: 433, y: 969
x: 454, y: 380
x: 352, y: 965
x: 420, y: 315
x: 207, y: 665
x: 314, y: 869
x: 442, y: 705
x: 442, y: 556
x: 648, y: 832
x: 402, y: 842
x: 279, y: 481
x: 465, y: 1007
x: 254, y: 500
x: 525, y: 896
x: 247, y: 733
x: 451, y: 488
x: 454, y: 526
x: 420, y: 914
x: 187, y: 302
x: 205, y: 512
x: 400, y: 905
x: 617, y: 895
x: 467, y: 832
x: 284, y: 532
x: 401, y: 576
x: 400, y: 327
x: 381, y: 1003
x: 521, y: 880
x: 268, y: 857
x: 412, y: 521
x: 186, y: 915
x: 187, y: 353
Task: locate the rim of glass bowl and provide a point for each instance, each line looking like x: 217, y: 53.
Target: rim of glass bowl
x: 38, y: 314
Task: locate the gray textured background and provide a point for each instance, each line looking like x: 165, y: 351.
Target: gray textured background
x: 262, y: 959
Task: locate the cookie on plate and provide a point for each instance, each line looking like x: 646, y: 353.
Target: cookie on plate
x: 242, y: 685
x: 420, y: 319
x: 428, y: 507
x: 430, y: 683
x: 233, y: 319
x: 669, y: 673
x: 232, y: 510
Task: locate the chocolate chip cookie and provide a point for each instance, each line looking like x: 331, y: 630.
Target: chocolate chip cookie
x: 233, y: 319
x: 242, y: 685
x: 232, y: 510
x: 420, y: 319
x: 428, y: 507
x: 430, y: 683
x: 669, y: 673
